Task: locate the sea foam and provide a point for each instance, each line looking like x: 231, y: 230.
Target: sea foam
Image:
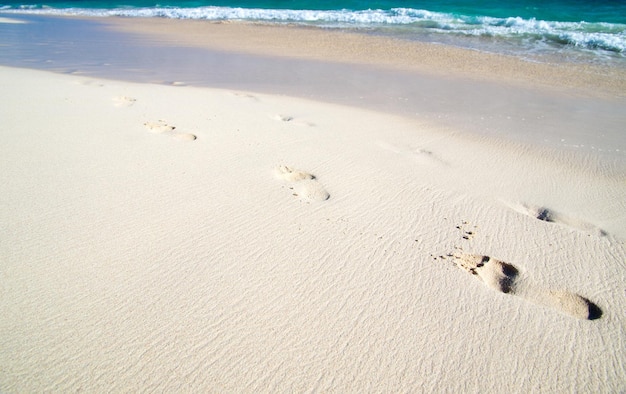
x: 591, y: 36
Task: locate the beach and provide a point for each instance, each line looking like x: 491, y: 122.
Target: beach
x: 354, y: 217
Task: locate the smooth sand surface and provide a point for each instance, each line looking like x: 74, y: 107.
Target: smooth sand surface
x: 179, y: 239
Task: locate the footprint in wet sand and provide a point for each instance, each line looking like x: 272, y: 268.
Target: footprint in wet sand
x: 505, y: 278
x: 303, y: 184
x: 124, y: 101
x: 162, y: 126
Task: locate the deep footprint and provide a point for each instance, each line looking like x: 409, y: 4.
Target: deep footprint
x: 303, y: 184
x: 503, y: 277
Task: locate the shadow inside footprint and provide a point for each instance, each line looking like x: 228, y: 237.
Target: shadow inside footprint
x: 570, y: 303
x: 545, y: 214
x: 509, y: 273
x: 594, y: 311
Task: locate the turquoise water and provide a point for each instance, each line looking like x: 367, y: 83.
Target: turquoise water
x: 589, y: 30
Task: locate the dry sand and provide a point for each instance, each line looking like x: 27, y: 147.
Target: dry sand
x: 180, y: 239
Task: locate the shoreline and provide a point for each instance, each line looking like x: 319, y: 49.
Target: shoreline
x: 349, y: 47
x: 394, y: 53
x: 442, y: 71
x: 578, y: 110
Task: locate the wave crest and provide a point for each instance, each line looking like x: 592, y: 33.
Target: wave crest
x: 593, y: 36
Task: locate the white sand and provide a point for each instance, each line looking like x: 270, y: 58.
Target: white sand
x: 174, y: 239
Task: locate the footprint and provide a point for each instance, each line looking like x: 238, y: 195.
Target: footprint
x: 283, y: 118
x: 161, y: 126
x: 291, y: 119
x: 311, y: 190
x: 124, y: 101
x: 550, y: 216
x: 494, y: 273
x: 303, y: 184
x: 291, y: 175
x: 184, y: 136
x: 504, y: 278
x: 422, y: 155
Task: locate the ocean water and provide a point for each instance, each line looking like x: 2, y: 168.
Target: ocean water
x: 578, y: 30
